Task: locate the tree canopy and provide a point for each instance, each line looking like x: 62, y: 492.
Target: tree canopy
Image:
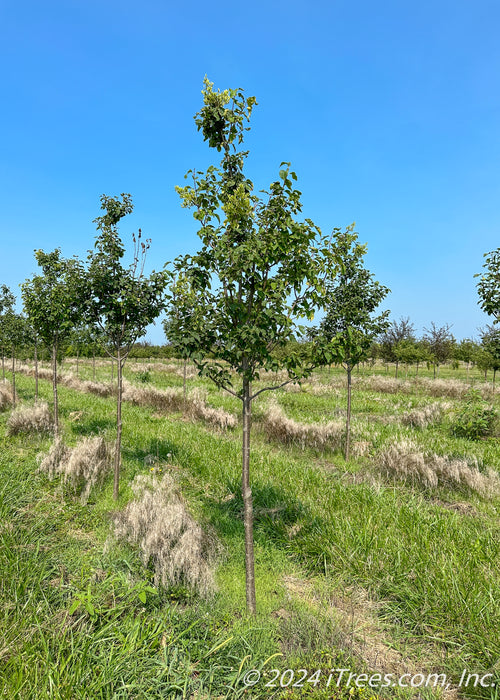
x: 488, y: 286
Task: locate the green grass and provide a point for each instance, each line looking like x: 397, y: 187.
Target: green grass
x: 327, y: 534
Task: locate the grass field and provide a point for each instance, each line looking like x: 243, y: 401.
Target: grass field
x: 388, y: 564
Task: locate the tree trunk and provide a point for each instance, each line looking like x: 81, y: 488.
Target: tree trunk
x: 13, y: 378
x: 184, y: 386
x: 348, y: 420
x: 468, y: 363
x: 77, y: 367
x: 116, y: 485
x: 93, y: 365
x: 3, y: 365
x: 36, y: 371
x: 247, y: 500
x: 397, y: 363
x: 54, y: 389
x: 112, y: 367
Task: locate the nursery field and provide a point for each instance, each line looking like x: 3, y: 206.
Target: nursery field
x: 376, y: 578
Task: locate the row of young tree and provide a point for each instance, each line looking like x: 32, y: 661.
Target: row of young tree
x: 401, y: 346
x: 235, y: 308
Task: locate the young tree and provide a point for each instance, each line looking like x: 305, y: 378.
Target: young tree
x: 16, y: 329
x: 490, y: 341
x: 257, y: 272
x: 397, y: 331
x: 410, y: 352
x: 349, y: 326
x: 440, y: 343
x: 466, y: 351
x: 488, y: 286
x: 122, y: 300
x: 53, y: 302
x: 7, y: 301
x: 182, y: 312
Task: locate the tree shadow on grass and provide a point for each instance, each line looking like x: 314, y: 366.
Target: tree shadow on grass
x: 93, y: 426
x: 154, y: 452
x: 278, y: 517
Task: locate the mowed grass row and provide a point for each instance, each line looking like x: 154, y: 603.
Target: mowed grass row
x: 427, y: 558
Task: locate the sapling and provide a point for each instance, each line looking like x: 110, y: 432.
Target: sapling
x: 54, y: 302
x: 257, y: 272
x: 122, y: 301
x: 349, y: 327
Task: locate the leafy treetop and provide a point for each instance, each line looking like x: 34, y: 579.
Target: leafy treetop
x: 488, y: 286
x: 122, y: 301
x: 259, y: 269
x: 352, y: 298
x: 53, y: 300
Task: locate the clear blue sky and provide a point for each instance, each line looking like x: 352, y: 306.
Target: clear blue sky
x: 389, y: 113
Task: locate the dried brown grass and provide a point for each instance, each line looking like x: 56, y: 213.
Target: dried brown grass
x: 422, y: 417
x: 217, y: 417
x: 384, y: 385
x: 30, y: 419
x: 159, y: 522
x: 5, y: 396
x: 69, y: 380
x: 407, y: 461
x: 152, y: 367
x: 452, y: 388
x: 191, y: 372
x: 288, y: 431
x: 82, y: 467
x: 167, y: 400
x: 51, y: 461
x: 172, y: 400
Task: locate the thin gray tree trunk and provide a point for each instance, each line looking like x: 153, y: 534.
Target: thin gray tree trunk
x: 184, y: 385
x: 247, y: 500
x: 93, y: 366
x: 36, y: 371
x: 116, y: 485
x: 54, y: 389
x: 348, y: 420
x: 13, y: 378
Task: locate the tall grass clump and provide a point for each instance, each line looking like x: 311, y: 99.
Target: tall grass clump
x: 173, y: 400
x: 407, y: 461
x: 168, y: 400
x: 5, y: 396
x: 422, y: 417
x: 159, y: 523
x: 279, y: 427
x: 81, y: 467
x: 454, y: 388
x: 217, y: 417
x: 30, y: 419
x: 384, y: 385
